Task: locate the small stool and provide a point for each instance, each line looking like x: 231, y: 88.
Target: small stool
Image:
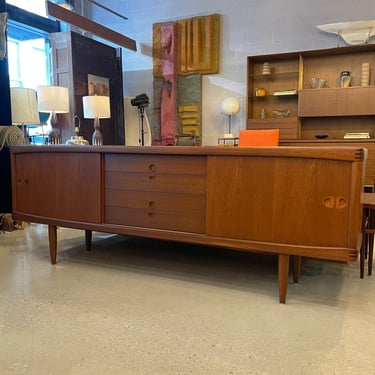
x: 368, y: 232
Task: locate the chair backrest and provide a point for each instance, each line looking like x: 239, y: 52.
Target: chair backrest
x: 263, y: 137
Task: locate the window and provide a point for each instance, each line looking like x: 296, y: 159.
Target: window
x: 34, y: 6
x: 28, y: 48
x: 28, y: 63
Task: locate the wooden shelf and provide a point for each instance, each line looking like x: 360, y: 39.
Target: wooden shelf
x: 331, y: 110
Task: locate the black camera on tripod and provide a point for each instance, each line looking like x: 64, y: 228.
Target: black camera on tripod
x: 140, y: 101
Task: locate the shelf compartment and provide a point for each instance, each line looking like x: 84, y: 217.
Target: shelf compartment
x: 289, y: 126
x: 275, y: 76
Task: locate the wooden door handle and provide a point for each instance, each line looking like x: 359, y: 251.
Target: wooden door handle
x: 341, y: 202
x: 329, y: 202
x: 335, y: 202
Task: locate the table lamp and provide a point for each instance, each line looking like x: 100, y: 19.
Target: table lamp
x: 230, y: 107
x: 24, y: 108
x: 96, y: 107
x: 54, y: 100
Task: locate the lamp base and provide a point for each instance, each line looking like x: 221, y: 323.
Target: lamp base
x: 97, y: 136
x: 26, y: 137
x: 54, y: 137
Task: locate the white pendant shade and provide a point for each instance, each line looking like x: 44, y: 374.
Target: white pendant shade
x: 24, y: 106
x: 53, y: 99
x: 353, y: 32
x: 96, y: 106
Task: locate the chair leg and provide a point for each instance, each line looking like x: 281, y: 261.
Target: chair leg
x: 370, y: 253
x: 366, y: 246
x: 362, y: 257
x: 297, y: 260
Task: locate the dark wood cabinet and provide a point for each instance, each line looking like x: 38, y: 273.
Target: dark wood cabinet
x: 74, y: 57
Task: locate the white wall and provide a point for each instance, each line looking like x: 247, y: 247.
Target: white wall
x: 249, y: 27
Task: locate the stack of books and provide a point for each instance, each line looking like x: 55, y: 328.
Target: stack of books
x: 357, y: 135
x: 285, y: 92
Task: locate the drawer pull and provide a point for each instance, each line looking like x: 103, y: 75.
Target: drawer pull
x: 150, y: 214
x: 152, y: 178
x: 152, y: 167
x: 151, y: 204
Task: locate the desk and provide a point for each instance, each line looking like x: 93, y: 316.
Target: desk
x: 283, y: 201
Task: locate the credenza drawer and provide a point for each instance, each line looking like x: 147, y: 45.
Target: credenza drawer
x: 156, y: 201
x: 173, y: 164
x: 156, y: 191
x: 157, y: 182
x: 167, y: 220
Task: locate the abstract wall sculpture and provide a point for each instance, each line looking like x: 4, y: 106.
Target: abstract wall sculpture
x: 168, y: 40
x: 183, y: 51
x: 199, y: 45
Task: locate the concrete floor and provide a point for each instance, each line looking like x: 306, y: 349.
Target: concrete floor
x: 138, y: 306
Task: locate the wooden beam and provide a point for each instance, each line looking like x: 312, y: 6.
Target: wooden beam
x: 84, y: 23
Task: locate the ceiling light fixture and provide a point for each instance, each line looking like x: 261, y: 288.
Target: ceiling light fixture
x: 352, y: 32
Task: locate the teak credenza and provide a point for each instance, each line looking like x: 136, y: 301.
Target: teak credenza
x: 287, y: 201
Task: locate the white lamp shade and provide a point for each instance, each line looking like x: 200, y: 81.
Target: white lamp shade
x: 53, y: 99
x: 96, y: 106
x: 24, y: 106
x: 230, y: 106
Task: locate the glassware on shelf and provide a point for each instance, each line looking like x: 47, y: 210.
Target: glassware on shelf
x: 317, y: 83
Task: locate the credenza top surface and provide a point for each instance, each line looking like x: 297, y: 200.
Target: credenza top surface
x: 314, y: 152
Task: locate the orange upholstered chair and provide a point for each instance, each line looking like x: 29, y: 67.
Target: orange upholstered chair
x: 263, y: 137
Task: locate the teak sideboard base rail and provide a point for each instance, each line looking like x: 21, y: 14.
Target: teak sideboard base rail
x: 286, y: 201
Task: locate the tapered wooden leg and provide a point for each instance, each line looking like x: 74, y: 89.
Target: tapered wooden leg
x: 283, y: 276
x: 297, y: 260
x: 52, y: 237
x: 88, y: 239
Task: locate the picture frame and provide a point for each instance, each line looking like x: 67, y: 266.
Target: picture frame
x: 97, y: 85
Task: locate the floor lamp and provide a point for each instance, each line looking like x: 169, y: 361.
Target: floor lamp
x: 53, y: 99
x: 96, y: 107
x: 24, y: 109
